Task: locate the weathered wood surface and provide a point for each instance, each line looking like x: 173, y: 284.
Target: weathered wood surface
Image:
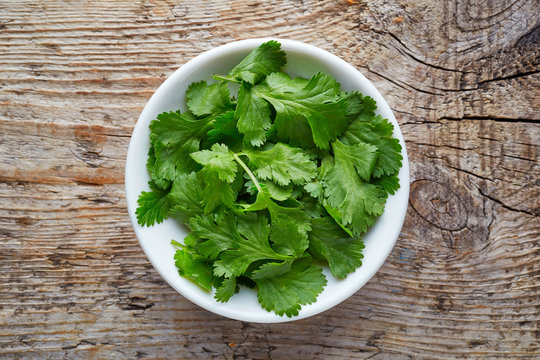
x: 463, y: 78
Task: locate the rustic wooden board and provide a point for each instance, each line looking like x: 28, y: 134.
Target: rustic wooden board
x: 463, y: 78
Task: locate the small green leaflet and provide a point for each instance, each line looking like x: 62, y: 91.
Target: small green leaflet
x: 218, y: 161
x: 203, y: 99
x: 173, y: 136
x: 360, y: 107
x: 282, y: 164
x: 253, y: 115
x: 187, y: 197
x: 251, y: 246
x: 377, y: 132
x: 272, y: 269
x: 390, y: 183
x: 290, y: 225
x: 361, y: 156
x: 264, y: 60
x: 343, y: 253
x: 218, y: 232
x: 194, y: 267
x: 358, y: 202
x: 284, y: 294
x: 319, y: 103
x: 224, y: 131
x: 153, y: 207
x: 227, y: 289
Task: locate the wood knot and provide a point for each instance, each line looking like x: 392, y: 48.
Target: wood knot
x: 438, y: 205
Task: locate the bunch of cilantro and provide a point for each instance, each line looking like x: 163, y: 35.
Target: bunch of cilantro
x: 273, y: 184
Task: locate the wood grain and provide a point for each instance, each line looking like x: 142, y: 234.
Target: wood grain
x: 463, y: 79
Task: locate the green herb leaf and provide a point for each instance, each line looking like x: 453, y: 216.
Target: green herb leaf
x: 284, y: 294
x: 253, y: 115
x: 174, y: 136
x: 360, y: 155
x: 218, y: 231
x: 272, y: 269
x: 253, y: 245
x: 343, y: 253
x: 224, y: 131
x: 262, y: 61
x: 390, y: 183
x: 218, y: 161
x: 358, y: 202
x: 319, y: 103
x: 282, y: 164
x: 377, y: 132
x: 290, y: 225
x: 227, y: 289
x: 187, y: 197
x: 203, y: 99
x: 194, y: 267
x: 153, y: 207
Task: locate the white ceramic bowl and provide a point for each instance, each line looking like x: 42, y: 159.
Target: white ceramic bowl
x: 302, y: 60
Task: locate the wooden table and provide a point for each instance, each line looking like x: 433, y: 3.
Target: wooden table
x: 463, y: 79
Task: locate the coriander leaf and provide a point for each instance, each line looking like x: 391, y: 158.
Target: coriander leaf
x: 173, y: 137
x: 153, y: 207
x: 271, y: 269
x: 312, y: 207
x: 227, y: 289
x: 189, y: 241
x: 281, y: 82
x: 263, y: 60
x: 389, y: 160
x: 225, y: 131
x: 172, y: 128
x: 289, y: 230
x: 343, y: 253
x: 253, y: 115
x: 284, y: 294
x: 195, y: 268
x: 151, y: 168
x: 295, y: 130
x: 187, y: 197
x: 360, y: 107
x: 282, y: 164
x: 377, y: 132
x: 218, y: 230
x: 390, y: 183
x: 279, y: 193
x: 360, y: 155
x: 358, y: 202
x: 218, y: 161
x: 253, y: 245
x: 219, y: 170
x: 203, y: 99
x: 216, y: 191
x: 319, y: 103
x: 289, y: 225
x: 314, y: 189
x: 338, y: 218
x: 382, y: 126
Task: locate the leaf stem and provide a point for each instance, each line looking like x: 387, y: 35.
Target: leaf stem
x: 253, y: 178
x: 177, y: 244
x: 225, y: 78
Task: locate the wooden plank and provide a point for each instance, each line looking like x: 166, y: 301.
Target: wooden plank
x: 463, y: 78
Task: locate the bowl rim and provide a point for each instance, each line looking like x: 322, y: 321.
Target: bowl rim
x: 382, y: 107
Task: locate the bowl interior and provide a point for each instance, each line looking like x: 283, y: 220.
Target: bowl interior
x: 302, y: 60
